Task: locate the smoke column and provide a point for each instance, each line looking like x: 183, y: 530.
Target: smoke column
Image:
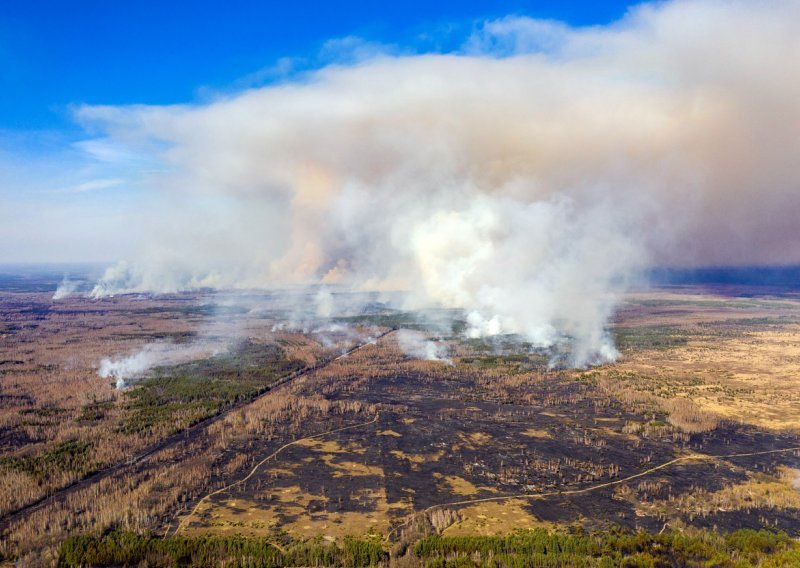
x: 525, y: 179
x: 66, y: 288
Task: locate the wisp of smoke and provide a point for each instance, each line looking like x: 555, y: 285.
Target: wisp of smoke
x: 525, y: 179
x: 136, y: 365
x: 66, y: 288
x: 127, y: 367
x: 417, y: 345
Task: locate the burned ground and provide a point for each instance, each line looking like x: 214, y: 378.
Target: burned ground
x: 447, y: 436
x: 382, y: 442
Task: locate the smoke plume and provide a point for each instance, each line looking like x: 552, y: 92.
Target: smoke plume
x: 525, y: 179
x: 136, y: 365
x: 66, y: 288
x: 417, y: 345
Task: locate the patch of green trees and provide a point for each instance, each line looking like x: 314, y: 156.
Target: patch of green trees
x: 131, y: 549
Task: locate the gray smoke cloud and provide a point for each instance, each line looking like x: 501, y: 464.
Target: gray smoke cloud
x: 525, y: 179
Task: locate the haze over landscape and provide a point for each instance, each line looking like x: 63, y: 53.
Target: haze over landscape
x: 552, y: 194
x: 527, y: 175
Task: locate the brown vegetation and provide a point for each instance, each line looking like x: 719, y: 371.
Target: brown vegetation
x: 492, y: 424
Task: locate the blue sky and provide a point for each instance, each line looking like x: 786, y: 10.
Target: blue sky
x: 58, y: 54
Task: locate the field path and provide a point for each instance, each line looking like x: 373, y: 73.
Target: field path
x: 265, y: 460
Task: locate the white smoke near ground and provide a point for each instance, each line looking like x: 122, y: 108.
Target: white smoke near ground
x: 795, y: 478
x: 542, y: 270
x: 324, y: 301
x: 334, y: 334
x: 312, y: 311
x: 138, y: 364
x: 66, y: 288
x: 526, y: 179
x: 416, y: 344
x: 127, y: 367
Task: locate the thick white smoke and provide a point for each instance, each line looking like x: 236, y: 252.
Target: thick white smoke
x: 127, y: 367
x: 542, y: 269
x: 524, y: 179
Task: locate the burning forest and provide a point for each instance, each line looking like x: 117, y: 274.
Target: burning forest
x: 514, y: 288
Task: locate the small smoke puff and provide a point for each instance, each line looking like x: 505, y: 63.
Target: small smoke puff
x: 66, y: 288
x: 417, y: 345
x: 136, y: 365
x: 796, y: 478
x: 127, y: 368
x: 479, y: 326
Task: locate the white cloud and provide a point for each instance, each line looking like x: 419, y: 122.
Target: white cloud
x: 106, y: 150
x: 95, y: 185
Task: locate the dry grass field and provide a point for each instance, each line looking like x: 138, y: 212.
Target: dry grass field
x: 696, y: 425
